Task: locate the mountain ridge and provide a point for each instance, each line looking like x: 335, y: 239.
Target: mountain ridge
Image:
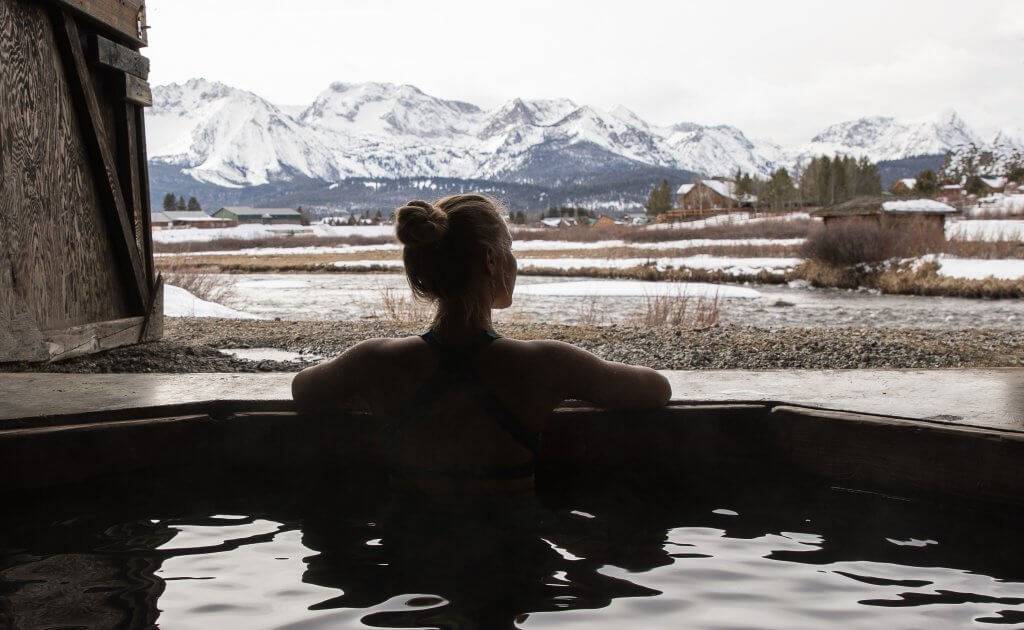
x: 227, y: 137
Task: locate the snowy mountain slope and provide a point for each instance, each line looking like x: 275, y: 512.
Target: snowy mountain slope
x: 884, y: 138
x: 230, y: 137
x: 224, y: 136
x: 717, y: 150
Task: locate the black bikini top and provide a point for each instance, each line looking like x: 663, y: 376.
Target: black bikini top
x: 457, y: 370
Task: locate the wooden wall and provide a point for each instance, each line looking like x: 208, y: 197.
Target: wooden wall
x: 66, y: 261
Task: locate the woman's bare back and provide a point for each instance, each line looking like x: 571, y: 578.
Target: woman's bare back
x: 468, y: 409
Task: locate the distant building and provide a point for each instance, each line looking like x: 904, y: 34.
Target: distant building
x: 712, y: 194
x: 637, y: 218
x: 159, y: 221
x: 558, y: 222
x: 904, y: 186
x: 268, y: 216
x: 604, y: 221
x: 994, y: 184
x: 887, y: 213
x: 186, y: 218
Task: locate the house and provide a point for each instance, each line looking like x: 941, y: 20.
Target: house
x: 888, y: 213
x: 558, y: 222
x: 712, y: 194
x: 268, y: 216
x: 994, y: 184
x: 904, y: 186
x: 195, y: 219
x: 951, y: 192
x: 159, y: 220
x: 604, y: 221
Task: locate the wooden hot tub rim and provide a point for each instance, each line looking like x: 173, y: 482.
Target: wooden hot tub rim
x: 861, y: 451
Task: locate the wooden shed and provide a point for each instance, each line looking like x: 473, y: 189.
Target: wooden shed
x: 888, y: 213
x: 76, y: 263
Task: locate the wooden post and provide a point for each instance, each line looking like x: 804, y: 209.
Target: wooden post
x: 70, y: 44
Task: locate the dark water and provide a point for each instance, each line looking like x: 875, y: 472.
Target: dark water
x: 218, y: 555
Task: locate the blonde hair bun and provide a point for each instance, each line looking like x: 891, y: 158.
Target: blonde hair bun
x: 420, y: 223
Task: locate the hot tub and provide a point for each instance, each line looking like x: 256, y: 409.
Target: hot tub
x: 246, y: 514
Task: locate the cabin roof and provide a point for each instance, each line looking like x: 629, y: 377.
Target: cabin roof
x: 994, y: 182
x: 188, y: 215
x: 724, y: 188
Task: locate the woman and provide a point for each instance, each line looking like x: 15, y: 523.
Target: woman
x: 465, y: 406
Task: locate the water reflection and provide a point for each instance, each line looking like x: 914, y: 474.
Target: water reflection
x: 767, y: 557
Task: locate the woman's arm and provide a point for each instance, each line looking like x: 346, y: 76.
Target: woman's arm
x: 336, y: 383
x: 609, y: 384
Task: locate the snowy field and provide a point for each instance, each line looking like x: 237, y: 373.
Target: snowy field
x: 344, y: 296
x: 998, y: 206
x: 978, y: 269
x: 248, y: 232
x: 986, y: 230
x: 180, y: 303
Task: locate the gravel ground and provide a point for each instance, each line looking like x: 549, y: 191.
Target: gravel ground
x: 191, y: 345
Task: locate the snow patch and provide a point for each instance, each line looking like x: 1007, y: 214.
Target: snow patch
x: 180, y: 303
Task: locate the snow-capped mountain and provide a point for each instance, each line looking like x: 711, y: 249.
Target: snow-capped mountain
x: 218, y: 135
x: 230, y: 137
x: 884, y: 138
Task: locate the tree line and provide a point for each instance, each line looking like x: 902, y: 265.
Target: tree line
x: 178, y: 204
x: 822, y: 181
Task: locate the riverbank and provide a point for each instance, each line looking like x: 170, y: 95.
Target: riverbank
x: 195, y: 344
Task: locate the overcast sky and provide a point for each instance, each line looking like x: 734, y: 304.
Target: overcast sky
x: 775, y: 69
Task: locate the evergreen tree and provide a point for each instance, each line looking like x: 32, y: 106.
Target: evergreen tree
x: 779, y: 190
x: 1016, y: 174
x: 927, y: 183
x: 869, y: 181
x: 660, y: 199
x: 975, y: 186
x: 169, y: 202
x: 193, y: 205
x: 180, y: 205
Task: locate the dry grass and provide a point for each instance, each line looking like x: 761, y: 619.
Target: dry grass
x: 771, y: 228
x: 907, y: 278
x: 199, y: 283
x: 924, y: 279
x: 679, y: 312
x: 639, y: 251
x: 1003, y: 248
x: 397, y: 308
x: 589, y: 312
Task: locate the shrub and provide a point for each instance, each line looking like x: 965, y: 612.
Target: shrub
x: 679, y: 311
x: 855, y: 242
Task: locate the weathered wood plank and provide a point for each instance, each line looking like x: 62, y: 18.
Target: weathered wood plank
x: 126, y: 18
x: 96, y: 137
x: 114, y: 56
x: 153, y: 325
x: 79, y: 340
x: 137, y: 91
x: 54, y: 239
x: 144, y: 209
x: 20, y: 338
